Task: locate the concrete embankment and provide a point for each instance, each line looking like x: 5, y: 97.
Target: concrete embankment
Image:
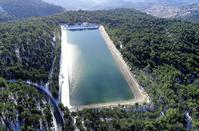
x: 140, y: 95
x: 64, y: 71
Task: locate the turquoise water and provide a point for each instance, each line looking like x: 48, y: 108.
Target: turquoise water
x: 94, y: 74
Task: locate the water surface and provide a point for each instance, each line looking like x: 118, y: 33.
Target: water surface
x: 94, y: 75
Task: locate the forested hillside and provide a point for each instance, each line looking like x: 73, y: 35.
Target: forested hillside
x: 28, y: 50
x: 164, y: 55
x: 28, y: 8
x: 23, y: 108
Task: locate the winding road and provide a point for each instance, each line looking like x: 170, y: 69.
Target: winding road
x: 44, y: 90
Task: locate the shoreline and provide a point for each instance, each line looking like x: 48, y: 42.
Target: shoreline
x: 108, y: 104
x: 140, y: 96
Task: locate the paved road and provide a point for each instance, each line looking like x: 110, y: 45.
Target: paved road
x: 47, y: 94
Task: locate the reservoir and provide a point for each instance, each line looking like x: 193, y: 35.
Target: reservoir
x: 94, y: 76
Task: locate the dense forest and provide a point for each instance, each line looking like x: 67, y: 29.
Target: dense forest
x: 18, y: 9
x: 28, y: 51
x: 22, y: 107
x: 164, y: 55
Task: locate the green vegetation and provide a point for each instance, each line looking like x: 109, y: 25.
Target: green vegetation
x: 164, y: 55
x: 22, y: 104
x: 55, y: 68
x: 17, y: 9
x: 27, y: 51
x: 68, y: 126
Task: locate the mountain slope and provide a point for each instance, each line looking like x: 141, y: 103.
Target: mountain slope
x: 73, y: 4
x: 28, y: 8
x: 4, y: 17
x: 162, y: 53
x: 23, y: 100
x: 110, y: 4
x: 183, y: 9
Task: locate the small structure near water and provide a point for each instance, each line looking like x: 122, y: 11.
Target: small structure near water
x: 83, y: 26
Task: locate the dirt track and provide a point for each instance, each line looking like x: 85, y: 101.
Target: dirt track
x: 140, y: 95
